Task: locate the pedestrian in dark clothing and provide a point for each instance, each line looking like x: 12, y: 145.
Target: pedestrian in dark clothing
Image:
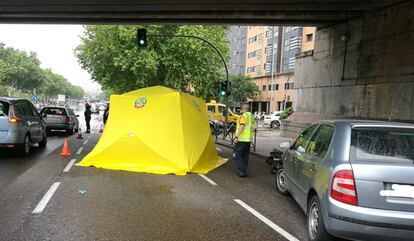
x: 88, y: 114
x: 106, y: 114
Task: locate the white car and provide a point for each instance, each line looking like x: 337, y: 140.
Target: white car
x: 272, y: 120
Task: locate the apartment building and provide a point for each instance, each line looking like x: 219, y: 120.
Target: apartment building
x: 237, y: 41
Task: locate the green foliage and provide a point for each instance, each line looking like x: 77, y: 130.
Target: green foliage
x: 242, y: 89
x: 286, y: 113
x: 110, y: 55
x: 20, y: 73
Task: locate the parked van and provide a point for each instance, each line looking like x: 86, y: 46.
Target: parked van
x: 216, y: 112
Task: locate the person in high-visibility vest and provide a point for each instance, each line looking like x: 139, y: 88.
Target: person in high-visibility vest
x: 244, y: 137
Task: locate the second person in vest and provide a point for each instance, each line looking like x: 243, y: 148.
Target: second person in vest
x: 244, y: 137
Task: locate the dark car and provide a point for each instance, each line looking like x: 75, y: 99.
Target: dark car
x: 60, y: 118
x: 21, y: 125
x: 354, y: 179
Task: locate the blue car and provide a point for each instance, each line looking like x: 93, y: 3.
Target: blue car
x: 21, y: 125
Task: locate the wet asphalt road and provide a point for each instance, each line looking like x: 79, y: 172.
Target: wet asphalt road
x: 118, y: 205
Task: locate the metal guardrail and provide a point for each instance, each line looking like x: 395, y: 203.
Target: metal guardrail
x: 218, y: 129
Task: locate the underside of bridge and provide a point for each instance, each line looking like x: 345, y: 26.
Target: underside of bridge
x: 298, y: 12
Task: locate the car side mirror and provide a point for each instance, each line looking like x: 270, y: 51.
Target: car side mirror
x: 285, y: 145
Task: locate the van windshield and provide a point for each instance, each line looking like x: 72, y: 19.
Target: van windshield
x: 383, y: 144
x: 4, y: 108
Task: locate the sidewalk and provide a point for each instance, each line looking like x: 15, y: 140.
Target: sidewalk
x: 267, y: 140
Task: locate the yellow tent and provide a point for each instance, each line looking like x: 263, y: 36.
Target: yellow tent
x: 156, y: 130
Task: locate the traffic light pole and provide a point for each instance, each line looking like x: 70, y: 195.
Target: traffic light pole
x: 222, y: 59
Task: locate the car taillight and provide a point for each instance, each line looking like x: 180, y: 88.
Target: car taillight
x: 12, y: 116
x: 343, y: 187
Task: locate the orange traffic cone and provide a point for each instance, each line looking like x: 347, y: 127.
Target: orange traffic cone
x: 65, y: 150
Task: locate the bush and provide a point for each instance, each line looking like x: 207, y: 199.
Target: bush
x: 286, y: 113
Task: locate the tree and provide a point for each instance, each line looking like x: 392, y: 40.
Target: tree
x: 20, y: 73
x: 242, y: 89
x: 110, y: 55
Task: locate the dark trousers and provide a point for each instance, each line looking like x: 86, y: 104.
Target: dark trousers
x: 241, y: 153
x: 88, y: 125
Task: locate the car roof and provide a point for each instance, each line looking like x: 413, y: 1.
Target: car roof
x: 367, y: 123
x: 10, y: 99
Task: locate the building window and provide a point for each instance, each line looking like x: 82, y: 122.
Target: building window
x: 264, y: 88
x: 270, y: 87
x: 251, y: 69
x: 252, y: 39
x: 288, y: 29
x: 287, y: 44
x: 260, y: 38
x: 309, y: 37
x: 259, y: 54
x: 251, y: 54
x: 275, y: 87
x: 289, y: 86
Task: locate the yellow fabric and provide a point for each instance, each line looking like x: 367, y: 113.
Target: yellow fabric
x: 247, y: 134
x: 156, y: 130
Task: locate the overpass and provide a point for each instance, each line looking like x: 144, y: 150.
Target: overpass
x: 298, y: 12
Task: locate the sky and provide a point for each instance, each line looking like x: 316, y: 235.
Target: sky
x: 54, y: 45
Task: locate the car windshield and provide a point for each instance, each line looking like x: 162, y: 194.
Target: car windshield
x: 4, y: 108
x: 54, y: 111
x: 382, y: 144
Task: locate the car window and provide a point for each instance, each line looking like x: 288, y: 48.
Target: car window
x: 382, y: 145
x: 4, y: 108
x: 54, y: 111
x: 221, y: 109
x: 21, y: 109
x: 33, y: 109
x: 319, y: 144
x: 210, y: 109
x: 303, y: 139
x: 71, y: 112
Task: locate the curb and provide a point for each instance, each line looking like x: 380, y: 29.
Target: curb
x: 252, y: 153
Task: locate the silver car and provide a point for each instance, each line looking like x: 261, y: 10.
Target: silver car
x: 21, y: 125
x: 353, y: 179
x: 60, y: 118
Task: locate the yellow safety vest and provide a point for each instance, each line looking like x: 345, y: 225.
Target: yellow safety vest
x: 247, y: 134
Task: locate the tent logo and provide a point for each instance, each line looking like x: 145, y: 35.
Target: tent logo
x: 140, y: 103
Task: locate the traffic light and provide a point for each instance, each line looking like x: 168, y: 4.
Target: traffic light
x: 142, y: 37
x: 224, y: 90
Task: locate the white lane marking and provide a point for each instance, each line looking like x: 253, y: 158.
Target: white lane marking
x: 85, y: 142
x: 69, y: 165
x: 79, y: 150
x: 46, y: 198
x: 278, y: 229
x: 208, y: 180
x: 218, y: 149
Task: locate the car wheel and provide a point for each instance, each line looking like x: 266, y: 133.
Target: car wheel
x: 280, y: 181
x: 43, y: 143
x: 71, y: 130
x: 316, y: 226
x: 274, y: 124
x: 26, y: 147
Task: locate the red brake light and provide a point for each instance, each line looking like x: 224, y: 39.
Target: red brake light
x: 12, y: 116
x: 343, y: 187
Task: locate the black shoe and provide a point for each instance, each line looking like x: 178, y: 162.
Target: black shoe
x: 242, y: 174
